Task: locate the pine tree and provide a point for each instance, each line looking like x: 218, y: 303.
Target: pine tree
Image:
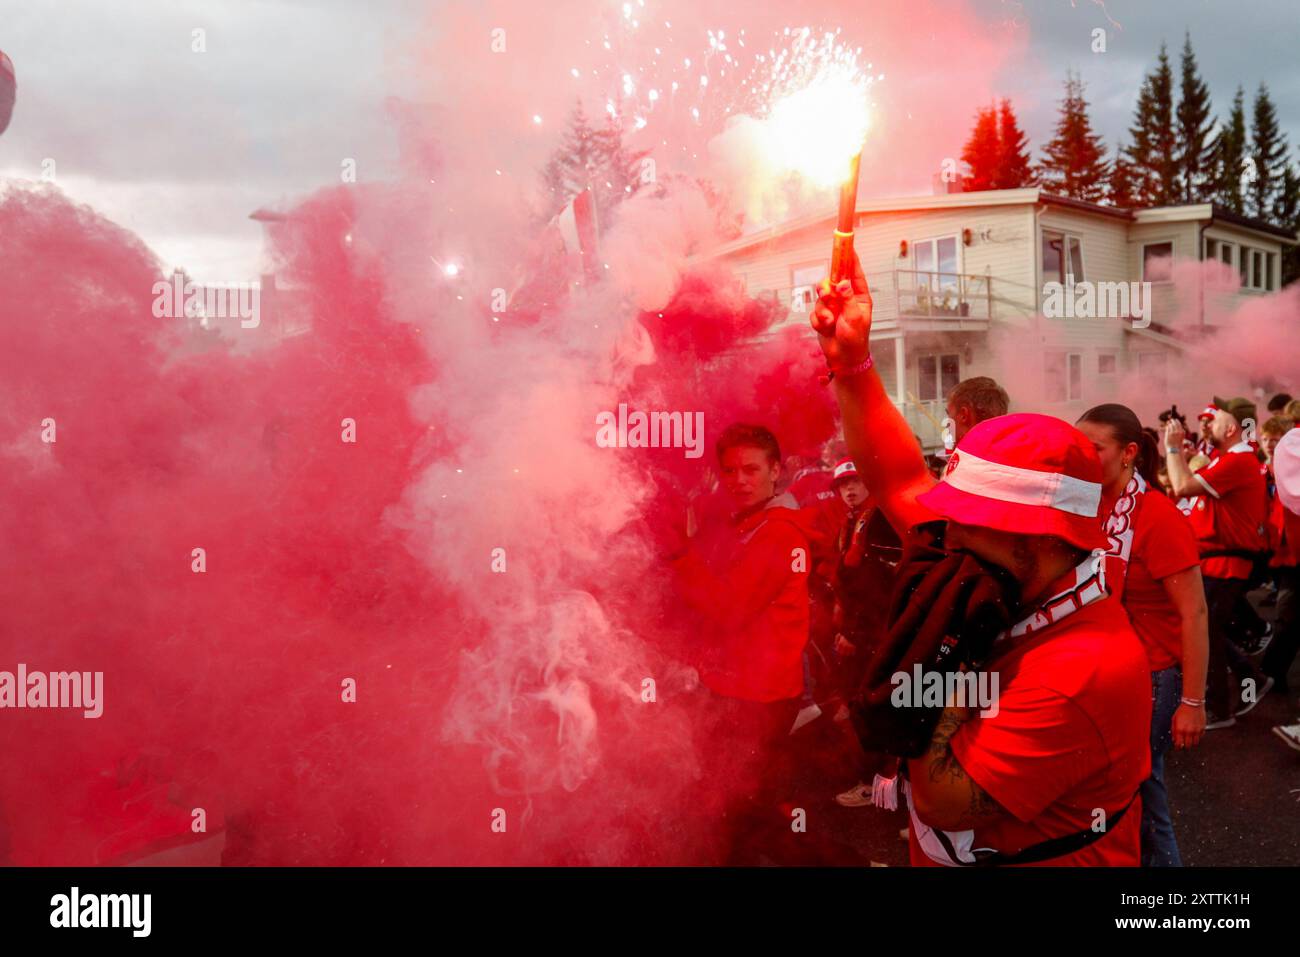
x: 980, y: 154
x: 1230, y: 156
x: 1014, y: 170
x: 1153, y: 153
x: 1195, y: 152
x: 1119, y: 187
x: 1286, y: 213
x: 1074, y: 161
x: 1267, y: 156
x: 591, y: 158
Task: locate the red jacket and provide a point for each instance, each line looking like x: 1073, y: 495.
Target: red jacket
x: 748, y: 582
x: 1283, y: 533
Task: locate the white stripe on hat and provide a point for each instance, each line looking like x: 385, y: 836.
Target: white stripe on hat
x: 1010, y: 483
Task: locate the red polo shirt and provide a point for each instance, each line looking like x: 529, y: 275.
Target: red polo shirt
x: 1071, y: 736
x: 1232, y: 513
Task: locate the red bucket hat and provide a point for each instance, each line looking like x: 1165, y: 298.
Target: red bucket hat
x: 1024, y: 473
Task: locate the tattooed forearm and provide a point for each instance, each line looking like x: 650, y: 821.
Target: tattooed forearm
x: 941, y: 760
x: 952, y: 797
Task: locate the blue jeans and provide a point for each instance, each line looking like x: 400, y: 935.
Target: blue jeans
x: 1159, y: 849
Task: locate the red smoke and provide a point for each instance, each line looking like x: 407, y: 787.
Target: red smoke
x: 326, y: 560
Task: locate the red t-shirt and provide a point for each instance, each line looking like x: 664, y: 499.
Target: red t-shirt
x: 1071, y: 735
x: 1283, y: 534
x: 1163, y: 545
x: 1232, y: 513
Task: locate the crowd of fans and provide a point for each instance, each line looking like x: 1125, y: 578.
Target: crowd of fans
x: 1071, y: 541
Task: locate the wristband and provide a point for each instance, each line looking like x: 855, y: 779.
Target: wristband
x: 858, y: 369
x: 1193, y: 702
x: 1170, y: 450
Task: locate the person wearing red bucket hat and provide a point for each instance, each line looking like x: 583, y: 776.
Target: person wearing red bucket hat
x: 1001, y: 581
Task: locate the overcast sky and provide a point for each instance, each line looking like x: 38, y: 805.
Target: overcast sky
x: 182, y: 146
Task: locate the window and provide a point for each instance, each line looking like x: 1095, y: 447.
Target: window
x: 1062, y: 257
x: 1157, y: 260
x: 803, y: 280
x: 935, y: 262
x: 1064, y: 372
x: 1107, y: 363
x: 1268, y: 275
x: 1257, y: 278
x: 1245, y: 267
x: 938, y: 375
x: 1225, y: 253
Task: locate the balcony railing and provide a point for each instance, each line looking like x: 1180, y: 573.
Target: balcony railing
x: 942, y: 295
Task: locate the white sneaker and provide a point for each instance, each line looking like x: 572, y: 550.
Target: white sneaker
x: 1290, y: 734
x: 1259, y: 696
x: 805, y: 715
x: 857, y: 796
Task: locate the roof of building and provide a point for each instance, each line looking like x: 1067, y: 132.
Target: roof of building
x: 1032, y: 195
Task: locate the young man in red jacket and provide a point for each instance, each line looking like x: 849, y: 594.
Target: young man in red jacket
x: 1065, y: 750
x: 745, y: 578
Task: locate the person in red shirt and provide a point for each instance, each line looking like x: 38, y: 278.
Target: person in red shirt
x: 1156, y: 572
x: 1284, y: 457
x: 1284, y: 542
x: 1066, y: 748
x: 1227, y: 503
x: 745, y: 580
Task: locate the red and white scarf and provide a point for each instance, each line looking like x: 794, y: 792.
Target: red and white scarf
x: 1120, y: 525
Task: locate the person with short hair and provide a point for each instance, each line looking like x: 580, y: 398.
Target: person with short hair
x: 1227, y: 503
x: 1286, y: 473
x: 1284, y: 542
x: 1278, y: 403
x: 1016, y: 517
x: 1158, y: 579
x: 745, y: 580
x: 974, y: 400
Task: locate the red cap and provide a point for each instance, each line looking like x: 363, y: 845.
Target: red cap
x: 844, y: 468
x: 1024, y: 473
x: 1207, y: 412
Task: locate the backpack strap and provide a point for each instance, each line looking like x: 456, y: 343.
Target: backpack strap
x: 1053, y: 847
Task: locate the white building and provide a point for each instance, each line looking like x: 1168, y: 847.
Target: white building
x: 958, y: 282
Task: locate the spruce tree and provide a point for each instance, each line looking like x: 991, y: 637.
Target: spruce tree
x: 1267, y: 156
x: 1153, y: 154
x: 1119, y: 187
x: 1074, y: 162
x: 1014, y: 170
x: 1195, y: 151
x: 1286, y: 213
x: 590, y: 157
x: 1230, y: 156
x: 980, y: 154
